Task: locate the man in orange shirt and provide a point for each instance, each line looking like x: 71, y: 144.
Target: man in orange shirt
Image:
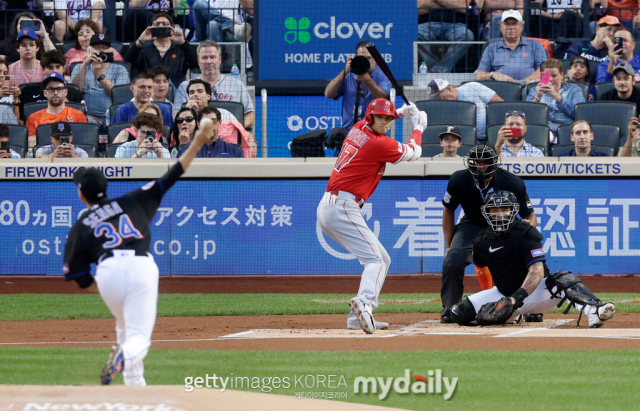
x: 55, y: 91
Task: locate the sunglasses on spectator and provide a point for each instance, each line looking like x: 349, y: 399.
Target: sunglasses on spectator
x: 181, y: 120
x: 510, y: 113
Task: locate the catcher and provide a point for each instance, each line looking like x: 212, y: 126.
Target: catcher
x: 511, y: 252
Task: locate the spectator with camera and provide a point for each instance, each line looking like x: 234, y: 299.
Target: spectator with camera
x: 358, y: 84
x: 620, y: 51
x: 82, y: 34
x: 515, y: 58
x: 27, y: 69
x: 631, y: 147
x: 597, y: 48
x: 146, y: 144
x: 23, y: 21
x: 96, y: 76
x: 561, y: 97
x: 582, y: 136
x: 55, y: 90
x: 140, y: 12
x: 9, y: 91
x: 70, y: 12
x: 623, y: 81
x: 51, y: 62
x: 511, y: 141
x: 61, y: 147
x: 162, y: 44
x: 216, y: 148
x: 223, y: 86
x: 130, y: 133
x: 142, y: 89
x: 5, y: 145
x: 160, y: 76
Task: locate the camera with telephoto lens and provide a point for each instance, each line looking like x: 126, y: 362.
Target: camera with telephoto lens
x: 150, y: 135
x: 360, y: 65
x: 106, y: 57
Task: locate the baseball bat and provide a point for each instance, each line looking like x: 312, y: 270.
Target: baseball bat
x: 385, y: 69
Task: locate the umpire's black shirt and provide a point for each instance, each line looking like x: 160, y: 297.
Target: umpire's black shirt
x: 509, y: 255
x: 462, y: 190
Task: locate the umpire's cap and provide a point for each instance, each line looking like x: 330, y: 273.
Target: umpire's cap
x: 92, y: 183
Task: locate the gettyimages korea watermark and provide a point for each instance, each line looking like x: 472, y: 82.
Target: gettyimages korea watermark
x: 334, y: 386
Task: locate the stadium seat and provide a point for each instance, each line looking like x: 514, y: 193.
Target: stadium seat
x: 31, y: 108
x: 111, y: 150
x: 536, y: 135
x: 430, y: 135
x: 237, y: 109
x: 18, y: 136
x: 613, y: 113
x: 83, y: 134
x: 537, y: 113
x: 19, y: 150
x: 506, y: 90
x: 603, y: 135
x: 602, y: 88
x: 121, y: 94
x: 558, y: 149
x: 449, y: 112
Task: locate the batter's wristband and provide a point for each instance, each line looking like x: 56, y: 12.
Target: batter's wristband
x: 519, y: 296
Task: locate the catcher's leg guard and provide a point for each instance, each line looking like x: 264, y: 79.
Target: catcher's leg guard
x: 463, y: 313
x: 574, y: 290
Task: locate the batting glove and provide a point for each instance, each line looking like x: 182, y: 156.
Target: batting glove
x: 419, y: 121
x: 407, y: 109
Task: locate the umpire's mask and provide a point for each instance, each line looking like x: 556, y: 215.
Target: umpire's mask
x: 500, y: 209
x: 482, y: 162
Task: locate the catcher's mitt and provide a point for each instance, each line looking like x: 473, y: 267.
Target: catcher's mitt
x: 497, y: 312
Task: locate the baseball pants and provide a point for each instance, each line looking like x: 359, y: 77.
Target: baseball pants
x: 539, y: 301
x: 128, y: 285
x: 341, y: 218
x: 458, y: 257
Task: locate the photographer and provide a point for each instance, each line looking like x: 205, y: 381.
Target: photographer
x: 145, y: 145
x: 5, y: 145
x: 161, y: 44
x: 358, y: 90
x: 61, y: 147
x: 621, y: 37
x: 96, y: 77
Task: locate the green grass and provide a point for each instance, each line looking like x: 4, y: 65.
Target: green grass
x: 20, y: 307
x: 488, y: 380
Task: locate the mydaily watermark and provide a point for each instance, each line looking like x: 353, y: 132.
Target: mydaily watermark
x: 433, y: 383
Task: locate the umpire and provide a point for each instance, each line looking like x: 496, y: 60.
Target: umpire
x: 468, y: 188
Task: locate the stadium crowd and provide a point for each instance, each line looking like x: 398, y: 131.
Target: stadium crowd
x: 548, y: 81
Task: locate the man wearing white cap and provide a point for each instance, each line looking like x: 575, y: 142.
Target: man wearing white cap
x: 514, y: 58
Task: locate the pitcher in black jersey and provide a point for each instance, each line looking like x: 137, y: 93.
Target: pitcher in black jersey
x: 115, y: 234
x: 512, y: 251
x: 468, y: 188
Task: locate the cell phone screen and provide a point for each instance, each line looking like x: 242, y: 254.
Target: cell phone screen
x: 545, y: 77
x: 64, y: 141
x: 618, y: 42
x: 161, y: 32
x: 5, y: 146
x: 30, y: 24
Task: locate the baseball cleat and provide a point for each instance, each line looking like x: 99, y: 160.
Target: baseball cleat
x: 364, y: 315
x: 380, y: 325
x: 115, y: 364
x: 445, y: 316
x: 600, y: 313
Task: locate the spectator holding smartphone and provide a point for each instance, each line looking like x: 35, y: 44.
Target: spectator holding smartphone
x: 511, y: 142
x: 130, y: 134
x: 145, y: 145
x: 20, y: 22
x: 96, y: 77
x: 5, y: 145
x: 631, y: 147
x: 27, y: 69
x: 61, y: 147
x: 9, y: 92
x: 162, y: 44
x: 621, y: 37
x: 559, y: 96
x: 82, y: 34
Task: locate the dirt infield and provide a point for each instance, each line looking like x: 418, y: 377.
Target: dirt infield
x: 329, y: 333
x: 275, y: 284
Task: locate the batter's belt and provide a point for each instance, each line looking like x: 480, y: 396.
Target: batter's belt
x: 122, y: 253
x: 345, y: 195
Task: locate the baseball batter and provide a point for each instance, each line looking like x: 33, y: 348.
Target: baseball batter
x: 512, y: 252
x: 355, y: 176
x: 115, y: 234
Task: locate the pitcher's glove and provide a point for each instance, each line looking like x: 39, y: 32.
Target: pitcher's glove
x: 497, y: 312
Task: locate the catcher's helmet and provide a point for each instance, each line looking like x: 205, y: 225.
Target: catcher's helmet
x: 482, y: 173
x: 380, y: 106
x: 500, y: 221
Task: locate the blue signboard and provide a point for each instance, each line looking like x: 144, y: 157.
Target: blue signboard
x: 269, y: 227
x: 311, y: 40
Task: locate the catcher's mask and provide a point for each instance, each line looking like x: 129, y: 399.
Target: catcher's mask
x: 500, y: 220
x: 482, y: 162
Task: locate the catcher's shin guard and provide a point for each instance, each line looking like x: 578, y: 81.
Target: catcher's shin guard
x: 574, y: 290
x: 463, y: 312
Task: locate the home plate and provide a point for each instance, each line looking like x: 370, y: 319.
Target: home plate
x: 309, y: 333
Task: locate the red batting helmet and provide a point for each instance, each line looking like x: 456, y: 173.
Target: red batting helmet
x: 380, y: 106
